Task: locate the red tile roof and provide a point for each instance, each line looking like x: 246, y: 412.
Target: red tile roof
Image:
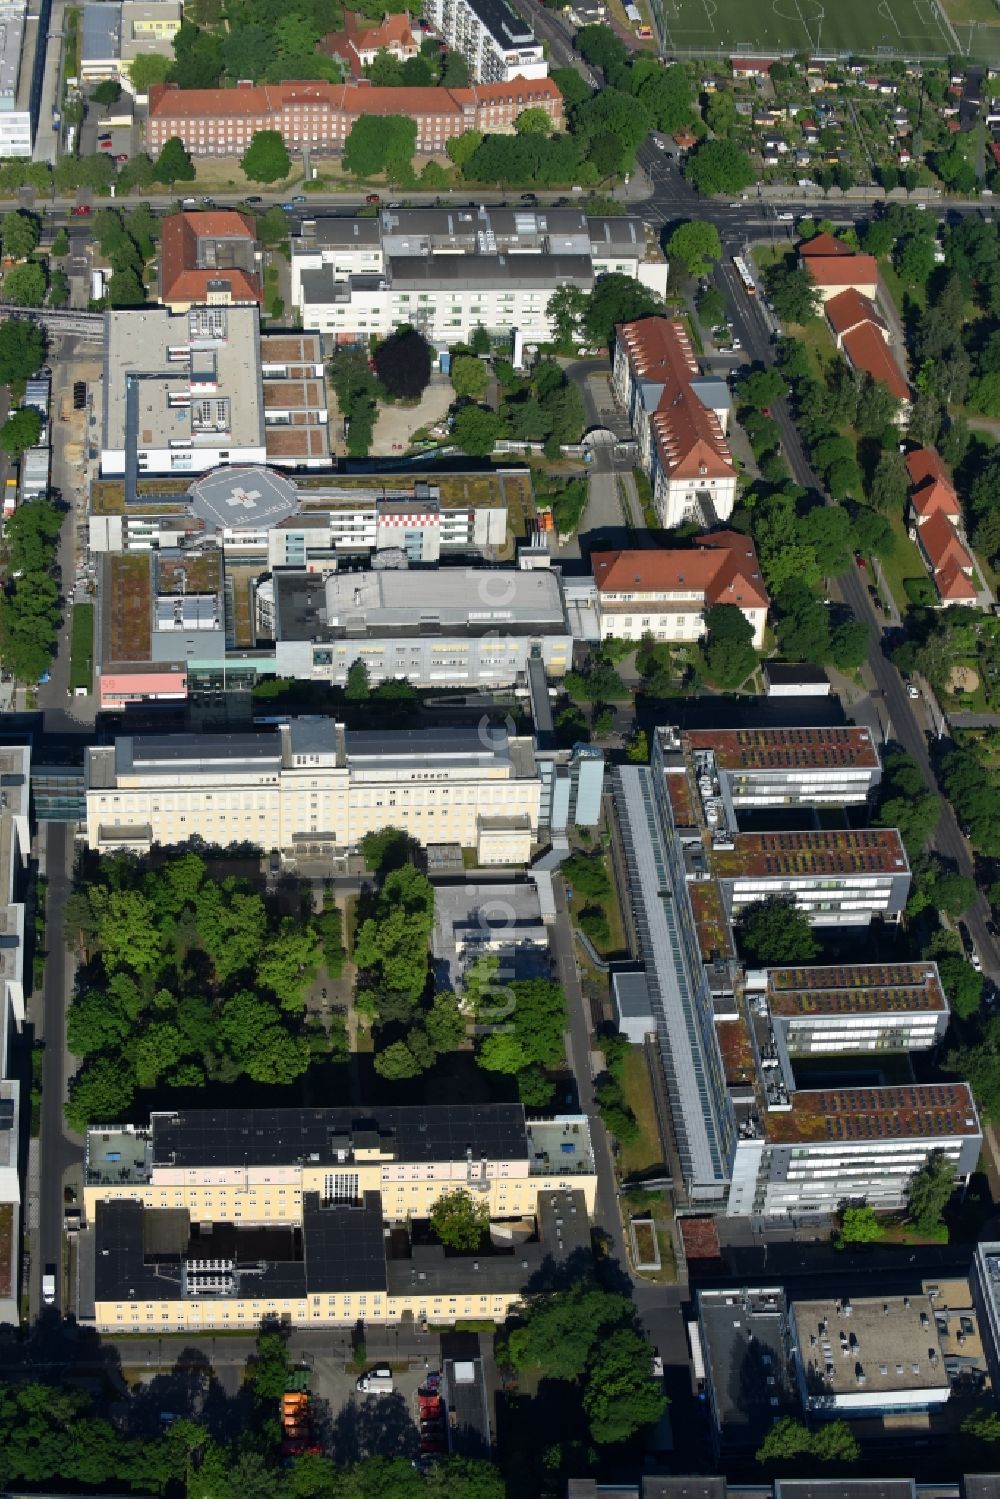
x: 849, y: 309
x: 688, y: 435
x: 932, y: 490
x: 181, y: 280
x: 724, y: 569
x: 942, y: 543
x: 834, y: 270
x: 868, y: 352
x: 823, y: 245
x: 953, y: 584
x: 169, y: 102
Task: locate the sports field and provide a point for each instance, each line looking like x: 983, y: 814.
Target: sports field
x: 900, y: 28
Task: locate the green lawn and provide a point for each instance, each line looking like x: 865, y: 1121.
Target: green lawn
x: 905, y: 26
x: 904, y: 562
x: 81, y: 659
x: 646, y: 1151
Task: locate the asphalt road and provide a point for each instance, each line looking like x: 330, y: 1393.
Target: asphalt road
x: 58, y: 1151
x: 748, y: 319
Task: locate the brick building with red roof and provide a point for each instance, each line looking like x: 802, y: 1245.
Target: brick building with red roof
x: 358, y: 45
x: 936, y: 525
x: 320, y: 116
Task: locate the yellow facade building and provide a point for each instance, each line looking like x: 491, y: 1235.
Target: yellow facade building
x: 217, y: 1219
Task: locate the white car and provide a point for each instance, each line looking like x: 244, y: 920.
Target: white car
x: 976, y: 961
x: 912, y: 691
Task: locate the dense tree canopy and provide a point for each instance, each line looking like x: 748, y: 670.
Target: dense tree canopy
x: 719, y: 166
x: 30, y: 607
x: 266, y: 159
x: 189, y: 979
x: 774, y: 932
x: 403, y: 364
x: 460, y: 1222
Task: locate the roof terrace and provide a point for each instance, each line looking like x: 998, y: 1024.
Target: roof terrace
x: 809, y: 855
x: 862, y: 988
x: 116, y: 1155
x: 784, y: 749
x: 918, y: 1111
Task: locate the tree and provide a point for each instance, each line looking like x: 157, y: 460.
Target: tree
x: 403, y: 364
x: 761, y: 387
x: 719, y: 166
x: 729, y: 653
x: 792, y: 291
x: 462, y: 147
x: 357, y: 688
x: 25, y: 285
x: 289, y: 963
x: 859, y: 1225
x: 270, y: 1368
x: 502, y: 1052
x: 397, y: 1061
x: 566, y: 307
x: 20, y: 235
x: 617, y: 299
x: 266, y: 158
x: 962, y: 984
x: 476, y: 429
x: 385, y: 849
x: 455, y: 73
x: 20, y: 431
x: 533, y: 122
x: 459, y: 1221
x: 695, y: 244
x: 445, y: 1024
x: 982, y: 1425
x: 100, y: 1093
x: 60, y: 244
x: 146, y: 69
x: 930, y: 1192
x: 790, y: 1441
x: 720, y: 112
x: 174, y: 163
x: 560, y: 1332
x: 954, y: 893
x: 469, y: 376
x: 571, y: 85
x: 380, y: 143
x: 198, y: 58
x: 890, y: 484
x: 109, y: 91
x: 711, y: 306
x: 774, y: 931
x: 621, y: 1395
x: 600, y: 47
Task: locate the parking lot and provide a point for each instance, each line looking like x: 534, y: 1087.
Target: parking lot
x: 97, y: 133
x: 353, y: 1425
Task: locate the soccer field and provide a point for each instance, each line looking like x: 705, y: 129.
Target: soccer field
x: 904, y: 28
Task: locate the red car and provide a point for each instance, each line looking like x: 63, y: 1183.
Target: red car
x: 122, y: 158
x: 104, y: 145
x: 861, y: 561
x: 81, y: 211
x: 373, y: 198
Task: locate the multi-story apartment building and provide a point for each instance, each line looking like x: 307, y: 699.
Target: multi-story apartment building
x: 665, y: 594
x: 303, y: 1214
x: 750, y: 1140
x: 188, y: 392
x: 679, y: 419
x: 319, y: 117
x: 311, y: 790
x: 498, y: 46
x: 851, y: 1007
x: 451, y: 627
x: 448, y: 271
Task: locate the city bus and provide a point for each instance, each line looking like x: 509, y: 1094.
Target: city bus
x: 743, y: 271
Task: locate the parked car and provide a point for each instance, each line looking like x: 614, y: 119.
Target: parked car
x: 859, y: 559
x: 121, y: 158
x: 912, y: 691
x: 105, y: 145
x: 49, y: 1285
x: 373, y: 198
x: 300, y: 198
x: 81, y: 211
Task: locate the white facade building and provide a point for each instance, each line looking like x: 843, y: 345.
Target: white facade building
x: 311, y: 790
x: 18, y: 40
x: 450, y: 271
x: 495, y: 42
